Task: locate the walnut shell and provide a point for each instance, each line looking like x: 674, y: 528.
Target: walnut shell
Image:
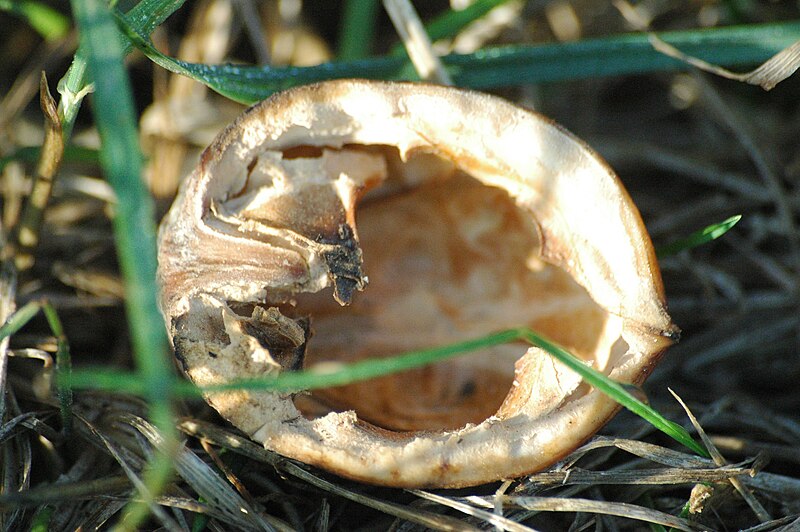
x: 474, y: 215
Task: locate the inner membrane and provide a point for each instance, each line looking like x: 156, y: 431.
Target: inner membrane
x: 448, y: 260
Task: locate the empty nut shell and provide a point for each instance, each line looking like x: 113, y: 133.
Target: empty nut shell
x: 353, y: 219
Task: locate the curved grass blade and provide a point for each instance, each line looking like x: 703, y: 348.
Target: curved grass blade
x: 498, y: 66
x: 346, y: 374
x: 615, y: 390
x: 249, y: 84
x: 698, y: 238
x: 310, y: 379
x: 145, y: 16
x: 375, y: 368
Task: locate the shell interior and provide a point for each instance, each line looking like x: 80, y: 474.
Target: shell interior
x: 447, y: 259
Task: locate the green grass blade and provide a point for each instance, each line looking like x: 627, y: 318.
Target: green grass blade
x: 301, y: 380
x: 357, y: 31
x: 147, y: 15
x: 499, y: 66
x: 111, y: 380
x: 41, y: 520
x: 620, y: 55
x: 48, y: 22
x: 134, y: 227
x: 122, y: 162
x: 698, y: 238
x: 367, y: 369
x: 371, y: 368
x: 615, y: 390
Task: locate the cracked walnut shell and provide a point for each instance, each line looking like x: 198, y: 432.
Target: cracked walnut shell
x: 353, y: 219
